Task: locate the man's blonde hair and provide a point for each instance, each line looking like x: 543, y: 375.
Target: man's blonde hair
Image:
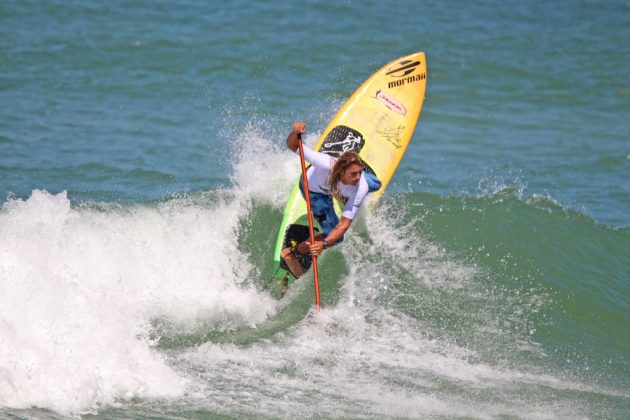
x: 343, y: 162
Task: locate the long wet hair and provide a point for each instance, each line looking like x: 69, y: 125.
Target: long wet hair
x: 343, y: 162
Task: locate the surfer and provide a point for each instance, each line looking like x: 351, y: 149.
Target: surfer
x: 342, y: 178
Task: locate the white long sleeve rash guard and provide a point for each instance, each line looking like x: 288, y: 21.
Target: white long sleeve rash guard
x: 318, y: 174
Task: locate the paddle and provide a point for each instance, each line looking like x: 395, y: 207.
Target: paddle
x: 310, y: 218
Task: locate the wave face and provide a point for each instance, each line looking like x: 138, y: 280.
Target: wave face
x: 434, y: 306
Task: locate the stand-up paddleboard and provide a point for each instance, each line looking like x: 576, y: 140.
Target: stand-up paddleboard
x: 377, y: 122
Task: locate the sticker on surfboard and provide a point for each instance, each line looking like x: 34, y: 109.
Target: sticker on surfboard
x: 342, y: 139
x: 390, y: 102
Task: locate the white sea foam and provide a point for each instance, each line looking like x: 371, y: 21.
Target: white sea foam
x: 263, y: 169
x: 344, y: 362
x: 80, y: 286
x: 363, y: 357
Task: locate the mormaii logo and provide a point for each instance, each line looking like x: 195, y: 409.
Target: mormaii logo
x: 405, y: 80
x: 391, y: 102
x: 402, y: 68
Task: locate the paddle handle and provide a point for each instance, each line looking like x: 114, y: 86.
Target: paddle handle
x: 310, y: 218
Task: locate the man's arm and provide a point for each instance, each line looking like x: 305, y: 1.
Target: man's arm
x: 292, y: 139
x: 335, y: 234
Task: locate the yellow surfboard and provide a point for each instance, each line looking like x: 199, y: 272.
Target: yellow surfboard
x: 377, y: 122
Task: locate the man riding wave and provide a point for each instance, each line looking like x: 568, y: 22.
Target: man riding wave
x: 342, y: 178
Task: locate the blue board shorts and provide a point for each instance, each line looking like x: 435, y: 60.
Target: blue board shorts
x: 324, y: 210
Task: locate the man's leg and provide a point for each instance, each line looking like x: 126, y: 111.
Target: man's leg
x: 324, y: 212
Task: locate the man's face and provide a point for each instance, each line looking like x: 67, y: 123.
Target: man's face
x: 351, y: 175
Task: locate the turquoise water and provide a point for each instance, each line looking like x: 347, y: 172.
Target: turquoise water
x: 143, y: 176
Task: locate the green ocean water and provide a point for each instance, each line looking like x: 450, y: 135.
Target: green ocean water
x: 143, y: 175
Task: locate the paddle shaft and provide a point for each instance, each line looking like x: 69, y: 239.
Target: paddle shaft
x: 310, y: 218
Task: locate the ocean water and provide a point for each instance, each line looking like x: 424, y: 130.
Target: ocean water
x: 143, y: 175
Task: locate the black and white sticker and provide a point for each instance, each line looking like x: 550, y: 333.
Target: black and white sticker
x: 342, y: 139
